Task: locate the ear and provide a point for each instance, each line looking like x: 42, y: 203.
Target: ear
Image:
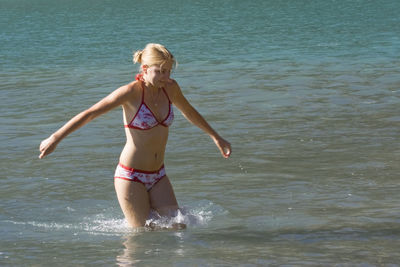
x: 144, y: 68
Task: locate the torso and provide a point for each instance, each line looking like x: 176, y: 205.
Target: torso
x: 145, y: 148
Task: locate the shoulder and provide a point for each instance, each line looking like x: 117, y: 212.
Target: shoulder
x: 129, y: 91
x: 130, y: 88
x: 122, y: 95
x: 172, y: 88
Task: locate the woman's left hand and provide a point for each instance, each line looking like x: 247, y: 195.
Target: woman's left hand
x: 223, y: 146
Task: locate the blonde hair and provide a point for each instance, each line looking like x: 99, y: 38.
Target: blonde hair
x: 154, y: 54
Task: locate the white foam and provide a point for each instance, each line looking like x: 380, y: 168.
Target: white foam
x: 183, y: 216
x: 102, y: 224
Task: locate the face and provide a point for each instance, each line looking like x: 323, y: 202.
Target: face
x: 157, y: 75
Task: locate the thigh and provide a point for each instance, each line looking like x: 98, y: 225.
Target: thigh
x: 134, y: 201
x: 162, y: 198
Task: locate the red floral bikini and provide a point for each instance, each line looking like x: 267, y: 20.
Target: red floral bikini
x: 144, y: 119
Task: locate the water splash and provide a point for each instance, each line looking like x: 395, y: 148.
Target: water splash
x: 184, y: 216
x: 198, y: 215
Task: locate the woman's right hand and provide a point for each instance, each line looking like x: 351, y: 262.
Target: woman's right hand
x: 47, y: 146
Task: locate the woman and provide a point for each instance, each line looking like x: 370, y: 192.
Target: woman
x: 140, y: 180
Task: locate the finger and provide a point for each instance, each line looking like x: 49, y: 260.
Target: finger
x: 42, y: 147
x: 226, y: 153
x: 43, y: 153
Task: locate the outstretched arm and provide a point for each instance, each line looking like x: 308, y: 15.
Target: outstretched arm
x: 192, y: 115
x: 108, y: 103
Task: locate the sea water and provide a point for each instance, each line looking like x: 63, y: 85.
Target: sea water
x: 307, y: 92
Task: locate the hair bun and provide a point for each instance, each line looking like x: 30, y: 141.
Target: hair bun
x: 137, y: 57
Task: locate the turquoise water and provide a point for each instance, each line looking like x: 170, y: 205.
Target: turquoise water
x: 307, y: 92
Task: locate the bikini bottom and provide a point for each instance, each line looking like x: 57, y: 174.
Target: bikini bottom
x: 147, y: 178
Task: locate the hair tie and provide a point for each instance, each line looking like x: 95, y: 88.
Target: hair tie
x: 139, y: 77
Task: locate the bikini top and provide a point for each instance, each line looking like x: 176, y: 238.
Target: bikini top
x: 145, y: 119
